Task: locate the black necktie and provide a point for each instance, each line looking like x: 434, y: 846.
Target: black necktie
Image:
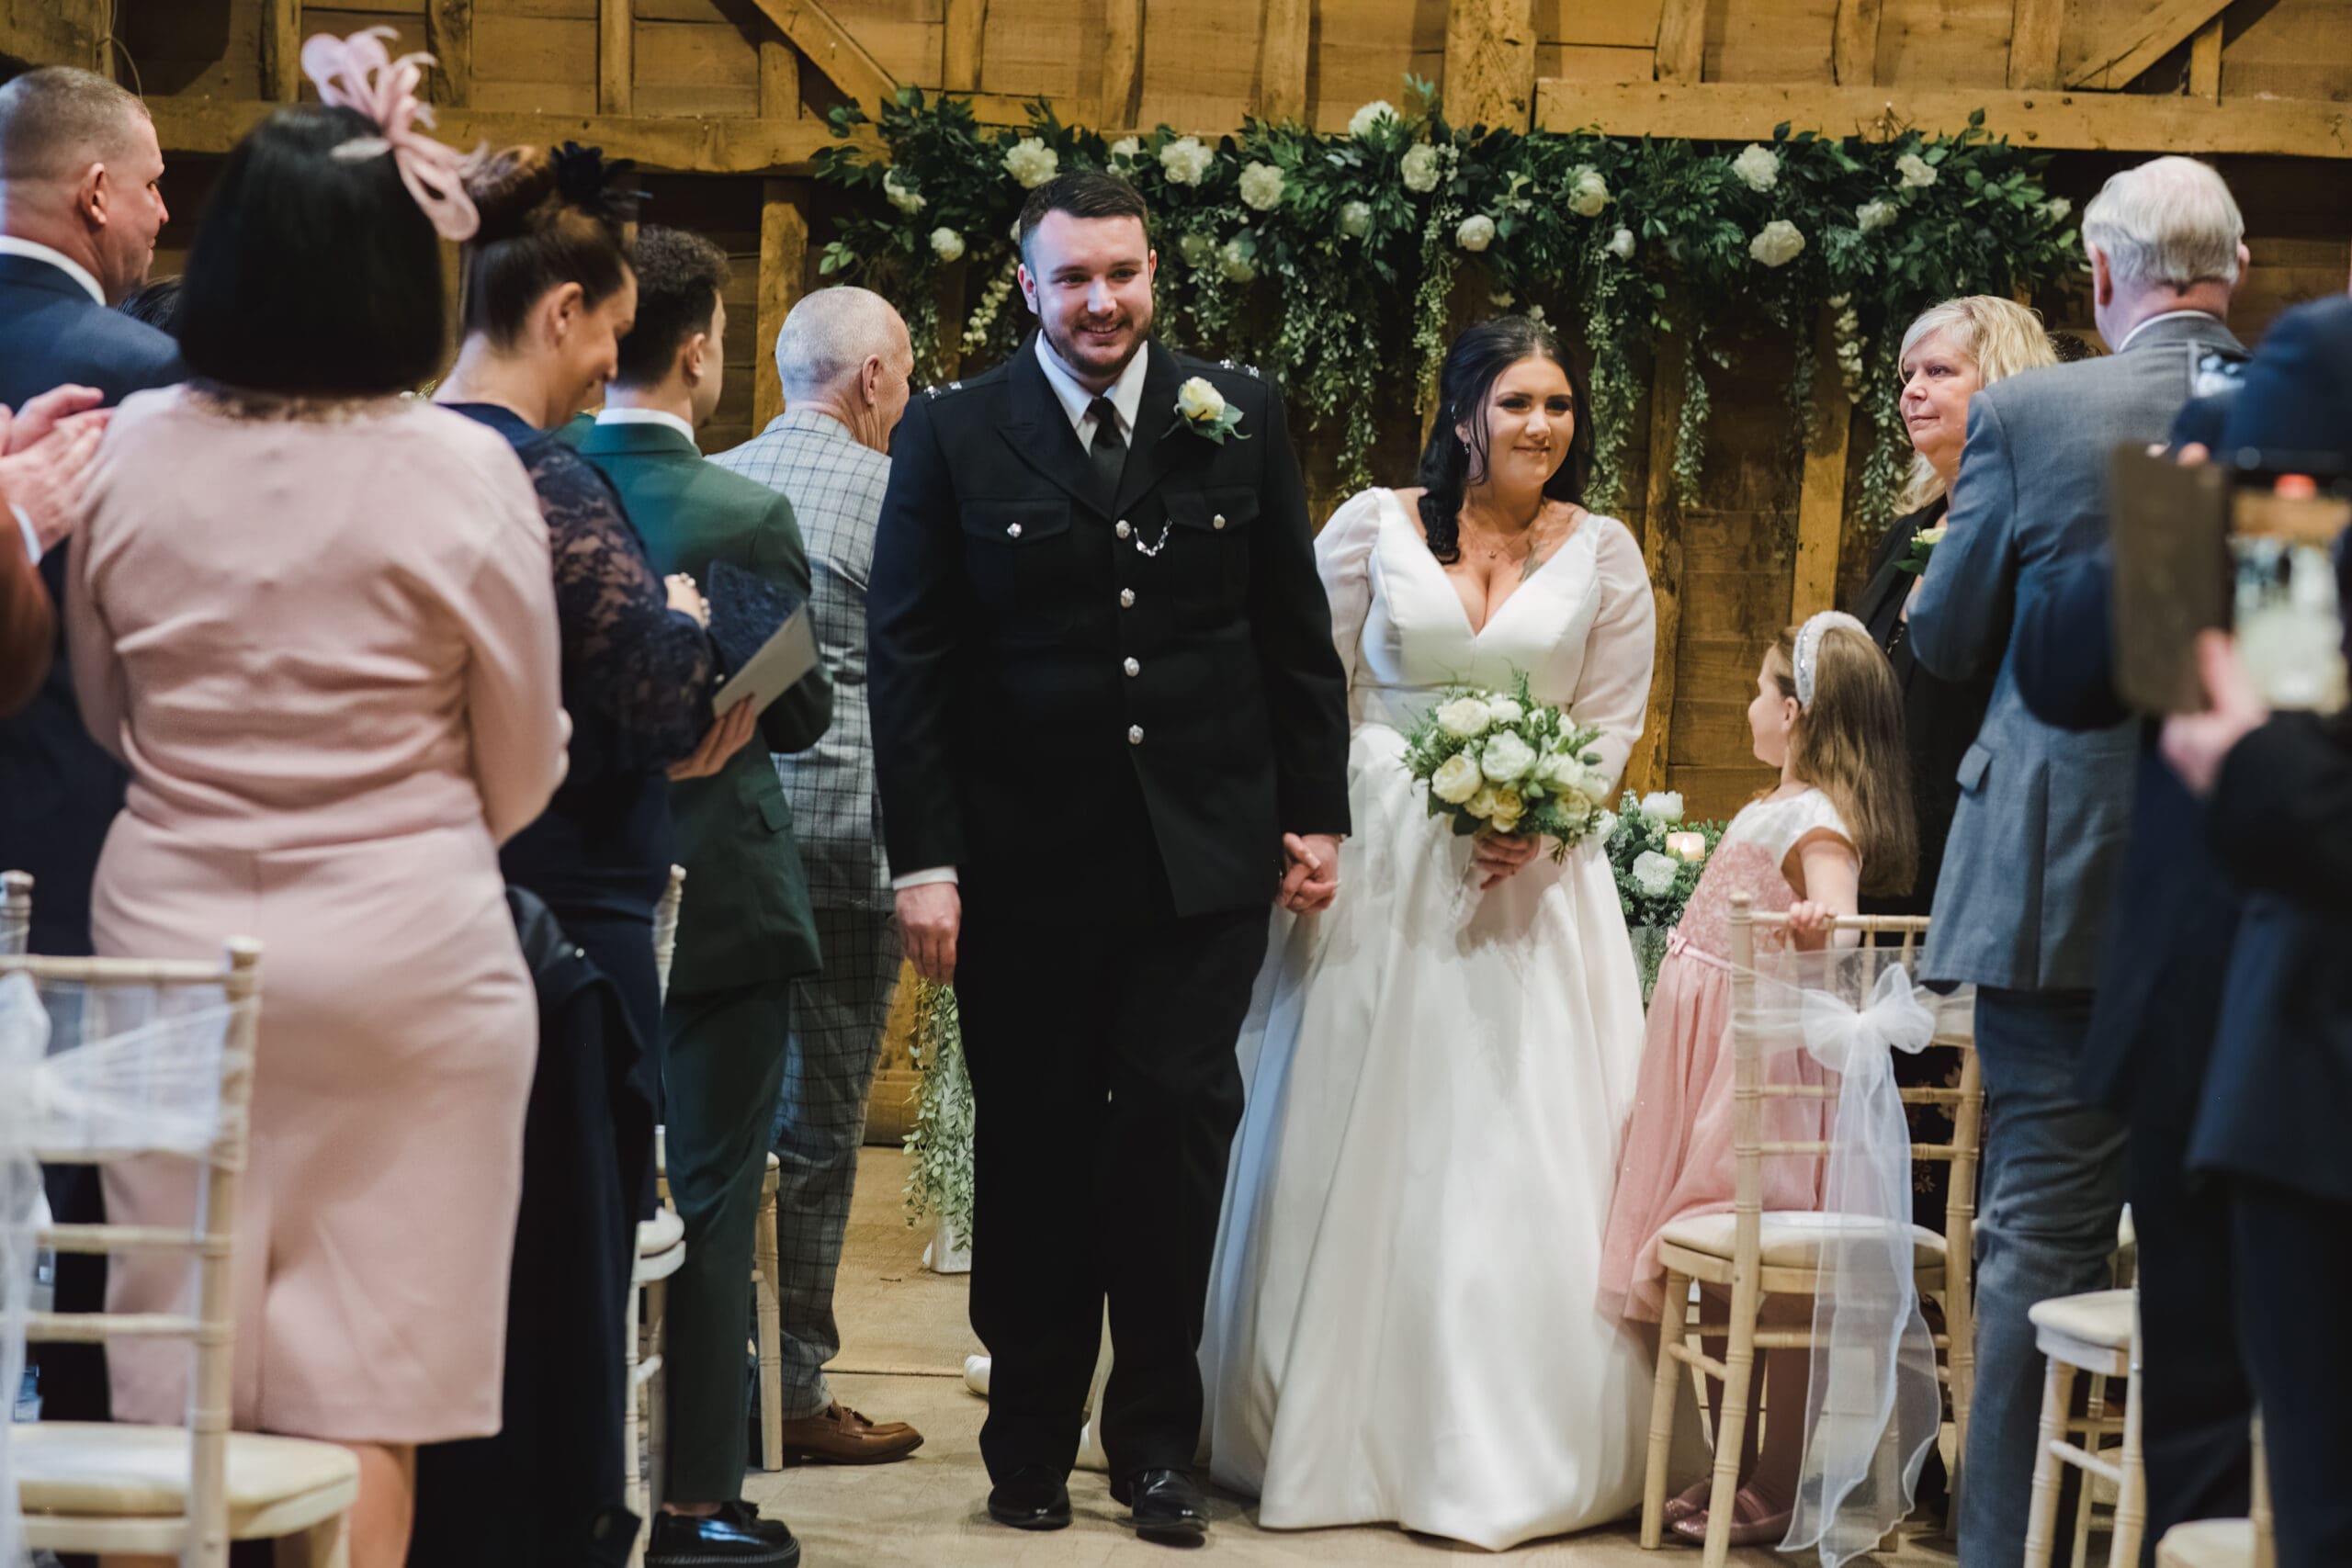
x: 1109, y: 452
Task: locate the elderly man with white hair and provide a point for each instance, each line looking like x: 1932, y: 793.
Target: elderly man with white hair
x: 2036, y: 848
x: 844, y: 359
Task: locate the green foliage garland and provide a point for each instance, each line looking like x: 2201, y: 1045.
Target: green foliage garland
x: 1336, y: 262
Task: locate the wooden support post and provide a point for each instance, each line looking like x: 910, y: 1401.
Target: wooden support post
x: 779, y: 78
x: 281, y: 50
x: 822, y: 39
x: 1490, y: 64
x: 450, y: 36
x: 1285, y: 31
x: 1821, y: 505
x: 1854, y: 46
x: 2034, y: 42
x: 616, y: 56
x: 784, y: 260
x: 1662, y: 555
x: 1681, y: 53
x: 961, y: 52
x: 1122, y: 79
x: 2163, y: 28
x: 2205, y: 62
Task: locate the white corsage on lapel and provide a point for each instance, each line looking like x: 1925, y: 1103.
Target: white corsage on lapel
x: 1202, y: 409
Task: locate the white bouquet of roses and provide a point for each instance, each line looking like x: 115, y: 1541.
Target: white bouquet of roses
x: 1502, y: 762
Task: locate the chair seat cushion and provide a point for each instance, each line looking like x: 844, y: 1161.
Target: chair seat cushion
x: 2208, y: 1543
x: 87, y: 1469
x: 2095, y: 1317
x: 1792, y: 1239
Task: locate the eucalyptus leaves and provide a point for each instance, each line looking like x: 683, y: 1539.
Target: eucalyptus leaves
x: 1332, y: 259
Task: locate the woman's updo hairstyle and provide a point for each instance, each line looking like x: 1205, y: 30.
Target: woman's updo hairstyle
x: 550, y: 216
x: 1449, y: 465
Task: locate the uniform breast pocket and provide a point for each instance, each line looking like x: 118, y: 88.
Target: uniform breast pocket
x: 1019, y: 555
x: 1207, y: 557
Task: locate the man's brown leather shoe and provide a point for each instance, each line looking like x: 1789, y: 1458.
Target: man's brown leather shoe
x: 841, y: 1436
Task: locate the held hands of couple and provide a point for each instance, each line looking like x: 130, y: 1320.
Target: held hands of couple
x: 46, y: 450
x: 1311, y: 879
x: 1500, y: 856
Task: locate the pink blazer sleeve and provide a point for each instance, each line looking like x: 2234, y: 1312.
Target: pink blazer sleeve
x: 514, y: 675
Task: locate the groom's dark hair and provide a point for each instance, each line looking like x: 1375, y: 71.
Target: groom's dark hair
x: 1088, y: 193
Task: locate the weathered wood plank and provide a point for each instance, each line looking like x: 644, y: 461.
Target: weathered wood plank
x: 2035, y: 29
x: 2121, y: 122
x: 2166, y: 27
x: 281, y: 50
x: 1285, y: 27
x: 1490, y: 63
x: 1854, y: 45
x: 2205, y: 62
x: 449, y: 37
x: 616, y: 57
x: 1662, y: 555
x: 686, y: 146
x: 1821, y: 504
x: 779, y: 79
x: 1682, y: 40
x: 967, y: 22
x: 828, y: 46
x: 784, y: 264
x: 1122, y: 80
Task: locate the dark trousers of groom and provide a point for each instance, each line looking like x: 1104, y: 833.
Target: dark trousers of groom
x: 1106, y: 1095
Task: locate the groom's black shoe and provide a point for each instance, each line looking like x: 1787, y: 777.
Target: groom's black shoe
x: 1167, y: 1505
x: 1031, y: 1498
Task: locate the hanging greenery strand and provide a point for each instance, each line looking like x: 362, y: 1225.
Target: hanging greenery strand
x: 1334, y: 260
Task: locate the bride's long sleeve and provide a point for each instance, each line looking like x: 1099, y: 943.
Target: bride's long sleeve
x: 1614, y: 686
x: 1343, y: 560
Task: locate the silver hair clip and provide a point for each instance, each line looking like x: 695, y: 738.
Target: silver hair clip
x: 1809, y: 649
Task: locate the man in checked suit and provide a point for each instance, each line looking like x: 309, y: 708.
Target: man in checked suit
x: 2037, y: 845
x: 844, y: 358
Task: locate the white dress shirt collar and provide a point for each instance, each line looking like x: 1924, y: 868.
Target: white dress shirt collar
x: 33, y: 250
x: 1126, y: 393
x: 646, y: 416
x: 2166, y: 316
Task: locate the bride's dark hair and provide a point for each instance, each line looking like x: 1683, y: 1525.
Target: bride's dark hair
x: 1451, y: 465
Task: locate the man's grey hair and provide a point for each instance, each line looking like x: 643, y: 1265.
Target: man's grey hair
x: 57, y: 121
x: 828, y: 334
x: 2169, y: 222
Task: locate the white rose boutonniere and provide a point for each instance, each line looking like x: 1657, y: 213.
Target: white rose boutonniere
x: 1917, y: 172
x: 1654, y: 874
x: 1506, y: 758
x: 1202, y: 407
x: 1184, y: 161
x: 1419, y: 168
x: 1031, y: 162
x: 1759, y: 167
x: 1371, y: 114
x: 1872, y: 215
x: 1922, y: 547
x: 902, y: 192
x: 1777, y: 243
x: 1620, y: 244
x: 1588, y: 192
x: 1355, y: 220
x: 946, y: 244
x: 1456, y: 779
x: 1478, y: 232
x: 1262, y: 187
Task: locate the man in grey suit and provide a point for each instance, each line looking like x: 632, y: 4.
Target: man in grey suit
x: 2037, y: 844
x: 844, y: 359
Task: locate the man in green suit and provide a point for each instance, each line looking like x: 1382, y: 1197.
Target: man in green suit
x: 744, y: 927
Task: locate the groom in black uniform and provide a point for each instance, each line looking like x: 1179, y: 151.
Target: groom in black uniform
x: 1110, y: 729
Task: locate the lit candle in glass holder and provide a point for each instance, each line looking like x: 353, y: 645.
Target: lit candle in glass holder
x: 1686, y: 846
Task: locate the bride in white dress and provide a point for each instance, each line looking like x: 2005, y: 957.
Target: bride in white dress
x: 1403, y: 1323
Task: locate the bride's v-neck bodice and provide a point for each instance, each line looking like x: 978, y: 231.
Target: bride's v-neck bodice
x: 1579, y: 627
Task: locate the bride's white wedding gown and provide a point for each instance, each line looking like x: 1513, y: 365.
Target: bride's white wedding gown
x: 1403, y: 1323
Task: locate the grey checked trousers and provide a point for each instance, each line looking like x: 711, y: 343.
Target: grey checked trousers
x: 835, y: 1043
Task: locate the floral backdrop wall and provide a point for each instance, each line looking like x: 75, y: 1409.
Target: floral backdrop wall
x: 1340, y: 262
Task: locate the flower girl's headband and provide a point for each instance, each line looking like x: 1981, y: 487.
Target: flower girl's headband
x: 358, y: 72
x: 1809, y: 649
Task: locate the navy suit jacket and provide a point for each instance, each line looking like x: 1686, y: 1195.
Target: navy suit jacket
x: 61, y: 791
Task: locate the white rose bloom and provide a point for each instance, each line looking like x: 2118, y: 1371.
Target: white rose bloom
x: 1502, y: 299
x: 2057, y: 207
x: 1198, y: 250
x: 1505, y: 710
x: 1262, y: 187
x: 1464, y: 716
x: 1917, y: 172
x: 1620, y: 244
x: 1872, y: 215
x: 902, y: 193
x: 1478, y: 232
x: 1510, y: 807
x: 1355, y: 220
x: 946, y: 244
x: 1759, y: 167
x: 1587, y: 192
x: 1662, y: 806
x: 1199, y: 398
x: 1506, y: 758
x: 1654, y: 874
x: 1604, y: 827
x: 1371, y: 114
x: 1418, y: 169
x: 1032, y: 163
x: 1128, y: 147
x: 1457, y: 780
x: 1777, y: 243
x: 1238, y: 261
x: 1482, y: 805
x: 1184, y: 161
x: 1535, y: 312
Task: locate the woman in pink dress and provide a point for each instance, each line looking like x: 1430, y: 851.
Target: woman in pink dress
x: 1825, y: 711
x: 313, y: 617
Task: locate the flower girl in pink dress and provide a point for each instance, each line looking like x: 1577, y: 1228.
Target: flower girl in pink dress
x: 1829, y: 714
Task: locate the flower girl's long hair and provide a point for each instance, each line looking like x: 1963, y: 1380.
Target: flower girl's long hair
x: 1849, y: 745
x: 1451, y: 465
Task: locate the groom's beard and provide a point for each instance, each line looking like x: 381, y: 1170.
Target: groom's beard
x: 1087, y: 362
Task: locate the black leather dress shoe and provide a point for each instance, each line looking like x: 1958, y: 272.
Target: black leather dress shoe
x: 1166, y: 1507
x: 1031, y: 1498
x: 735, y: 1537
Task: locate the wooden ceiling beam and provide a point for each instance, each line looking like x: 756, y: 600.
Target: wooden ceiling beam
x: 2163, y: 30
x: 819, y: 35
